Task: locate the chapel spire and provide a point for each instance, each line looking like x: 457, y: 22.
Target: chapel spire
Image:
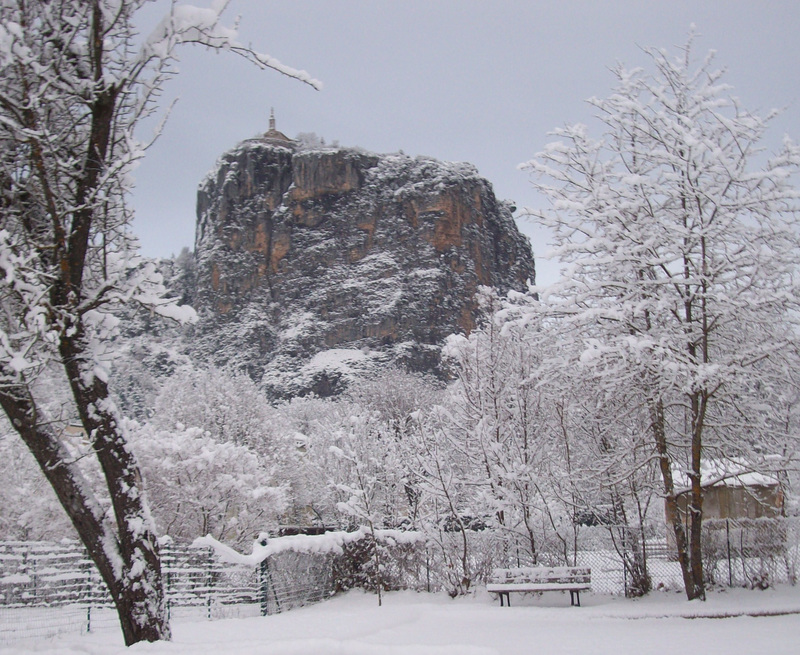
x: 273, y: 137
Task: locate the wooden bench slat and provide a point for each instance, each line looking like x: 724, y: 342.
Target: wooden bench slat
x: 538, y: 587
x: 543, y: 569
x: 561, y: 579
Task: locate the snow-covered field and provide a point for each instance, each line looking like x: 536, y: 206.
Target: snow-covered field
x: 730, y: 622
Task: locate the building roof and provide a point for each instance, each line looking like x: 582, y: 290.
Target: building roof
x: 732, y: 472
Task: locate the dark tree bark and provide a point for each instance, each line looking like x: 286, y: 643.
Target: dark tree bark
x: 127, y: 559
x: 689, y: 559
x: 58, y: 223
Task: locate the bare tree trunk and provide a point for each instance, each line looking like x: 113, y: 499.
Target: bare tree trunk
x: 695, y: 509
x: 671, y: 508
x: 631, y: 548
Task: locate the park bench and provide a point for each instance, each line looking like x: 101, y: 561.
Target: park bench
x: 541, y: 578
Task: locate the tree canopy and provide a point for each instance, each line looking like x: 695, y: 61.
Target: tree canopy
x: 681, y: 242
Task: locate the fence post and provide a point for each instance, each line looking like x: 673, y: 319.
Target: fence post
x: 265, y: 582
x: 624, y: 574
x: 262, y: 586
x: 209, y: 583
x: 88, y: 568
x: 168, y: 587
x: 728, y: 543
x: 427, y: 569
x: 30, y: 571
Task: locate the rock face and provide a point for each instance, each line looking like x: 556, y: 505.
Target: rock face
x: 315, y: 264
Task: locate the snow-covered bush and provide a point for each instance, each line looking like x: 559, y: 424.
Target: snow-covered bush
x: 30, y: 508
x: 198, y: 485
x: 227, y: 405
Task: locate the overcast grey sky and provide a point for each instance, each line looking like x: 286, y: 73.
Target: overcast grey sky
x: 460, y: 80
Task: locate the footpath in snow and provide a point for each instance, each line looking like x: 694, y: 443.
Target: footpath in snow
x: 729, y: 622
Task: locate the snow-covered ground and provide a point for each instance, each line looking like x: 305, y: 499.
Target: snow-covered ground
x: 730, y: 622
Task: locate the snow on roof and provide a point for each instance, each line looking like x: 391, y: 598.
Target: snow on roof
x: 733, y: 472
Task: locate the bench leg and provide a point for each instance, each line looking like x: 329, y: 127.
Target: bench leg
x: 573, y: 596
x: 508, y: 598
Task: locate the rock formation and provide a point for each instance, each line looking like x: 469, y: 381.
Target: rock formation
x: 312, y: 264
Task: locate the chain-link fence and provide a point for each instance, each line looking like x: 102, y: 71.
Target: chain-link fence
x: 753, y: 553
x: 53, y: 588
x: 48, y: 589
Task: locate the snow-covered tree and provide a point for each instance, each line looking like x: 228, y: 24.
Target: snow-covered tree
x: 444, y: 505
x: 305, y: 465
x: 75, y: 80
x: 395, y: 397
x: 604, y: 474
x: 31, y: 511
x: 227, y: 405
x: 198, y: 485
x: 681, y: 248
x: 496, y: 414
x: 376, y: 412
x: 543, y: 448
x: 511, y: 419
x: 366, y: 477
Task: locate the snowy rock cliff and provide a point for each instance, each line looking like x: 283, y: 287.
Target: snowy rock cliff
x: 315, y: 264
